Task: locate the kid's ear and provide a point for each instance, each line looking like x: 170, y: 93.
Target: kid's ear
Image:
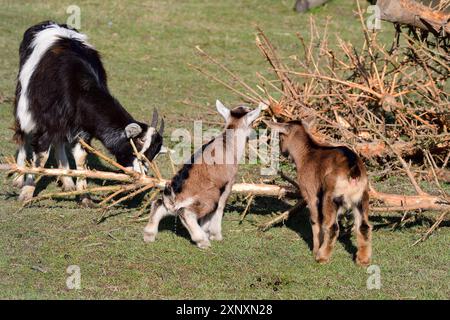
x: 309, y: 122
x: 251, y: 116
x: 280, y: 127
x: 224, y: 112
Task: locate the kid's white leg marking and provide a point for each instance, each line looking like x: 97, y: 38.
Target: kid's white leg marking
x: 215, y: 228
x: 157, y: 212
x: 190, y: 221
x: 63, y: 163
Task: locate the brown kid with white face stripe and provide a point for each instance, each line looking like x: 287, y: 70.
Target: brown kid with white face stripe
x: 332, y: 180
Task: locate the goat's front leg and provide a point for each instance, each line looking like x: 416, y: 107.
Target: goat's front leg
x: 330, y: 228
x: 29, y: 185
x: 21, y: 160
x: 190, y: 221
x: 63, y: 163
x: 80, y: 156
x: 363, y: 230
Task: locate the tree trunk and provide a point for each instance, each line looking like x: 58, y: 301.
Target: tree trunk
x: 305, y: 5
x: 414, y: 14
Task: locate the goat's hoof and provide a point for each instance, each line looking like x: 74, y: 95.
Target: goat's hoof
x: 18, y: 182
x: 215, y: 237
x: 68, y: 186
x: 87, y: 203
x: 26, y: 193
x: 362, y: 261
x: 149, y: 237
x: 204, y: 244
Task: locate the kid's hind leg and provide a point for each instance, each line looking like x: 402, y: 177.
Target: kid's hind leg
x: 363, y: 231
x: 157, y: 212
x: 205, y: 223
x: 190, y: 221
x: 313, y: 205
x: 215, y: 228
x: 330, y: 228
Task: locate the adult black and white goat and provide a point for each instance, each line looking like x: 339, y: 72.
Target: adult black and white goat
x: 62, y: 95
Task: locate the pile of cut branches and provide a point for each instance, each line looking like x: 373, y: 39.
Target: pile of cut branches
x: 388, y: 102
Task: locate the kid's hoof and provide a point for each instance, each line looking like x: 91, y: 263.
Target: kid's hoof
x: 322, y: 259
x: 26, y: 193
x: 362, y: 261
x: 205, y: 244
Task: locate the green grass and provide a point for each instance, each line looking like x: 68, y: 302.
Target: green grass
x: 146, y: 48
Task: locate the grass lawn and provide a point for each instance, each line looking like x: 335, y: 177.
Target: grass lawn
x: 146, y: 48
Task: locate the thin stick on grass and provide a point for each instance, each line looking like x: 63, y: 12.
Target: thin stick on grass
x: 247, y: 207
x: 282, y: 217
x: 432, y: 229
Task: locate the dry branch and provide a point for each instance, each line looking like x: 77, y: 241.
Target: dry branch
x: 392, y: 202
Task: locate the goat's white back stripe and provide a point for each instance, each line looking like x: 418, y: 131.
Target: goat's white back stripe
x: 42, y: 41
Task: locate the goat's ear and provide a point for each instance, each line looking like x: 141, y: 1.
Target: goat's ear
x: 132, y: 130
x: 280, y: 127
x: 225, y: 113
x: 251, y: 116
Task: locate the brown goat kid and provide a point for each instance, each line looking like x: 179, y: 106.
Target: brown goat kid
x: 332, y: 180
x: 199, y: 191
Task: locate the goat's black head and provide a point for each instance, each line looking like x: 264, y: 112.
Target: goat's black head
x: 147, y: 139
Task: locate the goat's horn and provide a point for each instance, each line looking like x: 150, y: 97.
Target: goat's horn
x: 161, y: 129
x: 154, y: 119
